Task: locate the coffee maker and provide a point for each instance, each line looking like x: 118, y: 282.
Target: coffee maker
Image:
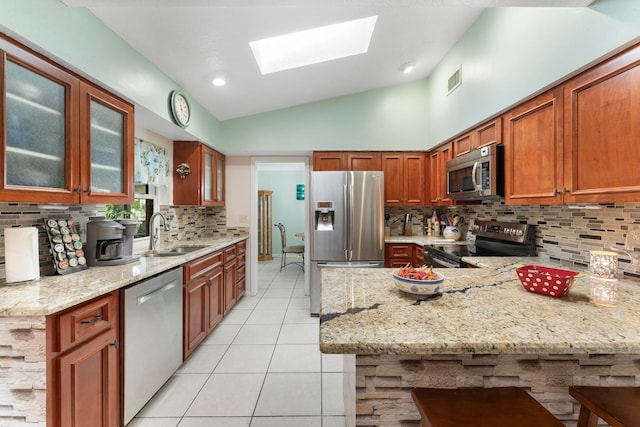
x: 110, y: 242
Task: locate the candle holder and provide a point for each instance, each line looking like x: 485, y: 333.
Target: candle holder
x: 604, y: 292
x: 603, y: 264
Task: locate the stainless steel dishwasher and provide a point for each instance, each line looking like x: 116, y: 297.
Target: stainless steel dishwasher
x: 152, y: 337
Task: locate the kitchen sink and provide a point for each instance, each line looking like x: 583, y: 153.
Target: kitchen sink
x: 175, y: 251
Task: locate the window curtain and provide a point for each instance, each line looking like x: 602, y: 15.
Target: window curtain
x: 152, y: 163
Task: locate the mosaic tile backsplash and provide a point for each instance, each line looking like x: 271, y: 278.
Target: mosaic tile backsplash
x: 186, y: 223
x: 562, y: 233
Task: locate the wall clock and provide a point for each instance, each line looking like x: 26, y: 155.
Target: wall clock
x: 180, y: 108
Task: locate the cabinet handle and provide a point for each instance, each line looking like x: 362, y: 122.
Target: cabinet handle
x: 78, y: 189
x: 555, y: 192
x: 92, y: 320
x: 565, y: 190
x: 116, y: 343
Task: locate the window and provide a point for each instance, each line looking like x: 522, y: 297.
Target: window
x: 145, y: 203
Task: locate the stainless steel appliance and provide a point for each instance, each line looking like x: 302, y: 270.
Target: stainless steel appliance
x: 477, y: 175
x: 152, y: 337
x: 347, y: 223
x: 492, y: 239
x: 109, y: 242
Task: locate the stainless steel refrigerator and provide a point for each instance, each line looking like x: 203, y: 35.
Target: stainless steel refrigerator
x: 347, y: 223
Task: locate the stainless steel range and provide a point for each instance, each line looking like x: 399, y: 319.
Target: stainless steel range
x: 492, y: 239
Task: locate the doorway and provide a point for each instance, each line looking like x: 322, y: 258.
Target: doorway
x: 283, y: 176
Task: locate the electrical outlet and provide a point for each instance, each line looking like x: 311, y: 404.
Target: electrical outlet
x: 243, y: 218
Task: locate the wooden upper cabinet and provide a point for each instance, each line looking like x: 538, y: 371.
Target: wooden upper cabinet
x: 601, y: 128
x: 486, y: 134
x: 533, y: 151
x: 204, y: 185
x: 329, y: 160
x: 346, y: 161
x: 363, y: 161
x: 106, y: 147
x: 404, y: 178
x: 438, y: 175
x: 63, y: 140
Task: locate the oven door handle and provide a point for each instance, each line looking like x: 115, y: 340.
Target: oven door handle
x: 442, y: 261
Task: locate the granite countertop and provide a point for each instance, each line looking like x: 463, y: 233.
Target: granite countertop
x: 51, y: 294
x: 482, y: 310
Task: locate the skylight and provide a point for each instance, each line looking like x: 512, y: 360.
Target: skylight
x: 313, y: 46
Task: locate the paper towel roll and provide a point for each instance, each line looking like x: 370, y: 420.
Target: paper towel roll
x: 21, y: 254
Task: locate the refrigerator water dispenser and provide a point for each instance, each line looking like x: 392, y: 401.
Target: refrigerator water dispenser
x: 325, y: 216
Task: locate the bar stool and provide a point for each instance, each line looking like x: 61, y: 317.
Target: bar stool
x: 618, y: 406
x: 481, y: 407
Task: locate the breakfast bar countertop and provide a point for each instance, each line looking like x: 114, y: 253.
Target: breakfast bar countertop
x: 481, y: 311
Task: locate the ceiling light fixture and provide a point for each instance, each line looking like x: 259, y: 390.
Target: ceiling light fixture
x: 408, y: 67
x: 219, y: 81
x: 313, y: 46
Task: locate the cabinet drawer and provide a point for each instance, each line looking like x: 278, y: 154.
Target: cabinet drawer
x: 201, y: 266
x: 230, y: 253
x: 242, y: 247
x: 242, y: 270
x: 86, y: 321
x: 400, y: 250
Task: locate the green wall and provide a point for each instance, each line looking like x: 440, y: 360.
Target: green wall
x: 507, y: 55
x: 76, y: 38
x: 393, y: 118
x: 510, y: 54
x: 286, y: 208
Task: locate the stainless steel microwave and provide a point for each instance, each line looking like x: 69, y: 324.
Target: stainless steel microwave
x: 477, y: 175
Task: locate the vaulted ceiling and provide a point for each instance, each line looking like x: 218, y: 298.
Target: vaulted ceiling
x: 193, y: 41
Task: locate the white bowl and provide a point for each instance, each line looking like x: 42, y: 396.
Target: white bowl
x: 419, y: 287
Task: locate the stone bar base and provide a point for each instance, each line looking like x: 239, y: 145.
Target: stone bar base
x: 22, y: 371
x: 383, y: 383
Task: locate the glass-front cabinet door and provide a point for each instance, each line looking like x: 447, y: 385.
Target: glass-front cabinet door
x: 62, y: 140
x: 265, y: 225
x: 213, y: 177
x: 40, y: 140
x: 106, y: 147
x: 219, y: 196
x: 208, y: 179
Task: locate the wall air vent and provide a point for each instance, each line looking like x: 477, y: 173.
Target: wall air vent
x: 455, y: 80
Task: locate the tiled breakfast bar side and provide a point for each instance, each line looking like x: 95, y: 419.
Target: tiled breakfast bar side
x: 384, y: 382
x: 23, y: 370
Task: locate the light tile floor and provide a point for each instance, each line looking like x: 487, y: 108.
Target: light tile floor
x: 261, y: 367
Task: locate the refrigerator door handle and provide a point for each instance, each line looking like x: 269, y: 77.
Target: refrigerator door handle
x: 350, y: 265
x: 347, y: 220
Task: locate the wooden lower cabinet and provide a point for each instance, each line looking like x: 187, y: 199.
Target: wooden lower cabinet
x: 83, y: 365
x: 241, y: 279
x: 196, y: 320
x: 230, y: 285
x: 400, y: 254
x: 212, y: 286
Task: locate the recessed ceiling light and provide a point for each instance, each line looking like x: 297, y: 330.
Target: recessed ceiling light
x: 219, y: 81
x: 313, y: 46
x: 408, y: 67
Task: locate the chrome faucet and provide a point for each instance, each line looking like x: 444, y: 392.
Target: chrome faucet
x: 153, y: 233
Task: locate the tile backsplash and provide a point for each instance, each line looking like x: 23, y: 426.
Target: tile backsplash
x: 186, y: 223
x: 561, y: 233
